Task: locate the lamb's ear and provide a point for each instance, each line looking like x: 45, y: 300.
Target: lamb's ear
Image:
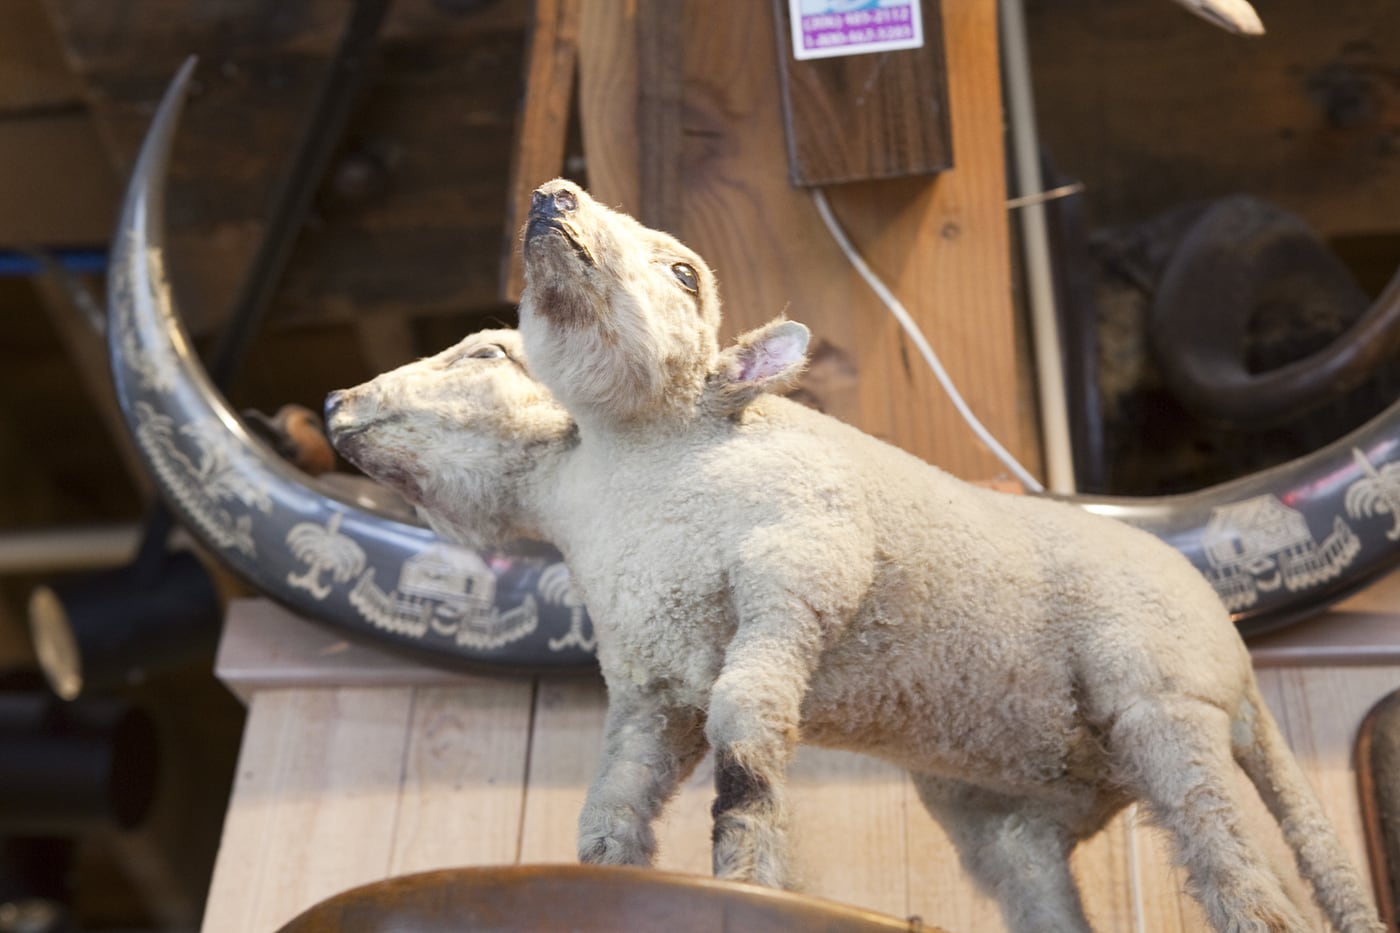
x: 768, y: 359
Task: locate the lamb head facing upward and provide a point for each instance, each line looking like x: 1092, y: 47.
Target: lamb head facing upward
x: 619, y: 320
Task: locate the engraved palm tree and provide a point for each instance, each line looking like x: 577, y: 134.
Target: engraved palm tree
x: 556, y: 587
x: 324, y: 548
x: 226, y: 471
x: 1377, y: 493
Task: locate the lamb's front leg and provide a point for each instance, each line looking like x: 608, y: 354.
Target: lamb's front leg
x: 649, y: 747
x: 754, y: 715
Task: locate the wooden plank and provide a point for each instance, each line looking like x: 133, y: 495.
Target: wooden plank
x: 1151, y: 108
x: 1362, y: 638
x: 684, y: 830
x: 341, y: 786
x: 607, y: 91
x: 1320, y: 710
x: 454, y: 756
x: 941, y: 245
x: 660, y: 103
x: 939, y: 890
x: 33, y: 74
x: 1104, y: 867
x: 315, y: 803
x: 564, y: 746
x: 863, y: 117
x: 551, y: 61
x: 849, y: 834
x: 265, y: 647
x: 56, y: 186
x: 410, y: 216
x: 463, y: 774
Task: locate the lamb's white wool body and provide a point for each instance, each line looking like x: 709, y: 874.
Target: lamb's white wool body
x: 760, y: 574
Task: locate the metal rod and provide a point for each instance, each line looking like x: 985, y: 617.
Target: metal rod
x: 329, y: 114
x: 1040, y: 286
x: 49, y: 550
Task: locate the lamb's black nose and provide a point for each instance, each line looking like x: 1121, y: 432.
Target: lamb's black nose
x: 554, y: 203
x: 333, y: 401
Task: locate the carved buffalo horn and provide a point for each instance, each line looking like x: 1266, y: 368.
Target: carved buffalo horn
x: 1277, y: 545
x: 1235, y: 16
x: 1241, y: 255
x: 328, y: 558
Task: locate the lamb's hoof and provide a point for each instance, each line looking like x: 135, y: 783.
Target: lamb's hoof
x: 747, y: 860
x: 610, y: 850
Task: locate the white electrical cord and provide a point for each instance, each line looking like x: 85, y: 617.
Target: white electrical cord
x: 912, y: 329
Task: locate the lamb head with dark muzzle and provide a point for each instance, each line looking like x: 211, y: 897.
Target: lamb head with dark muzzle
x: 620, y: 320
x: 442, y: 431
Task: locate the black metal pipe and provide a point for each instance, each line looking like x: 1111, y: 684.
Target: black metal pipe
x: 322, y: 133
x: 66, y: 768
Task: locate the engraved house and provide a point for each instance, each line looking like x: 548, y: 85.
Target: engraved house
x: 457, y: 579
x: 1245, y: 534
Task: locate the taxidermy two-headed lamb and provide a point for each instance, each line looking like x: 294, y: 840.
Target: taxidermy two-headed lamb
x: 760, y: 574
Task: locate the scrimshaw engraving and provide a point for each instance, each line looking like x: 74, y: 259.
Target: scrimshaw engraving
x: 1376, y: 493
x: 153, y: 361
x: 323, y: 548
x: 1260, y: 544
x: 449, y: 591
x: 220, y: 472
x: 556, y: 586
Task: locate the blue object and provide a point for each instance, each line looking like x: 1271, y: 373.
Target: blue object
x: 82, y: 260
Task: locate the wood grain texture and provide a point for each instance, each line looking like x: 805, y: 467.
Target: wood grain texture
x: 865, y: 117
x: 551, y: 59
x: 1320, y: 710
x: 464, y: 770
x: 33, y: 74
x: 564, y: 746
x: 411, y: 215
x: 340, y: 785
x: 660, y: 42
x: 607, y: 87
x: 940, y: 244
x: 1152, y: 108
x: 314, y: 803
x: 583, y: 899
x: 68, y: 197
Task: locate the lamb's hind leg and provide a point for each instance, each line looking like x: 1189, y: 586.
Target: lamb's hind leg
x: 1174, y: 753
x: 1017, y: 852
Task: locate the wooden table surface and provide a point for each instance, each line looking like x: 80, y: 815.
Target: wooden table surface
x: 357, y: 766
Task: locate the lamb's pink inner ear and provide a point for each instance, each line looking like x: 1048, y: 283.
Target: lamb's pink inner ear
x: 774, y: 354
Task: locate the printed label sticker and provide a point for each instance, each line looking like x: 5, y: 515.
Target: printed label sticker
x: 826, y: 28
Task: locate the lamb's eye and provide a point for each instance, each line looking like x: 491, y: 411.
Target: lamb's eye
x: 685, y: 274
x: 489, y: 352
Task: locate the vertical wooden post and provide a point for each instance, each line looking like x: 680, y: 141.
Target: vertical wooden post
x: 542, y: 128
x: 940, y: 241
